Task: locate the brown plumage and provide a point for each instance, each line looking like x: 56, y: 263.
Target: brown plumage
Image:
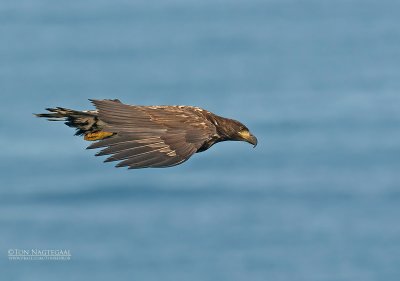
x: 149, y: 136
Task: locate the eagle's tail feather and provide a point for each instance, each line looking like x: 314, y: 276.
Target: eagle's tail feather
x: 85, y: 122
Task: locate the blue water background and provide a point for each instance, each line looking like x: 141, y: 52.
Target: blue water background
x: 318, y: 82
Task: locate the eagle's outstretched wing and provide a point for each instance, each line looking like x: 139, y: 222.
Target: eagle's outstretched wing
x: 160, y: 136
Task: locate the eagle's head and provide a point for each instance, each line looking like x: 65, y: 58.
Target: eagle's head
x: 238, y: 132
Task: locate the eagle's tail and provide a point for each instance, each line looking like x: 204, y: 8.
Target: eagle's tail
x: 85, y: 122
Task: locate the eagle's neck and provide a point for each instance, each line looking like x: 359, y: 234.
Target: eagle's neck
x: 222, y: 126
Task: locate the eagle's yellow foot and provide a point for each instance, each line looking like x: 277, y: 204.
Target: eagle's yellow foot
x: 97, y: 136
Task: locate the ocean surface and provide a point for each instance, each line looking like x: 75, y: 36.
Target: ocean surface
x: 318, y: 82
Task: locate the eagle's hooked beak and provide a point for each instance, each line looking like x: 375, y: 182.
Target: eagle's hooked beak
x: 248, y: 137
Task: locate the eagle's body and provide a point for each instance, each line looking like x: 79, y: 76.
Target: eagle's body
x: 149, y: 136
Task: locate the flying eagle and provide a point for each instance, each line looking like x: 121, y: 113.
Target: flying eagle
x: 149, y: 136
